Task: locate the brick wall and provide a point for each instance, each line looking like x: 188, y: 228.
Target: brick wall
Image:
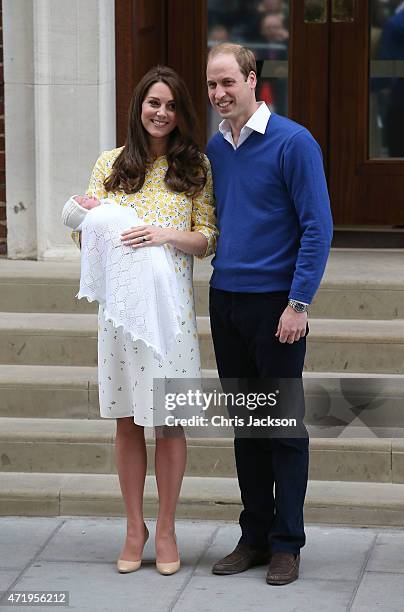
x: 3, y: 222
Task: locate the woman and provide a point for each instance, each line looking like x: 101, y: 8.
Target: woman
x: 161, y: 174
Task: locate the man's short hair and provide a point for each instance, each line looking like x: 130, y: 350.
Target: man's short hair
x: 244, y: 57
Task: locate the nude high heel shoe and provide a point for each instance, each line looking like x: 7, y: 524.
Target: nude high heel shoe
x: 125, y: 567
x: 167, y: 569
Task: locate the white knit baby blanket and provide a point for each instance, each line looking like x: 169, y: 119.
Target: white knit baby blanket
x: 137, y: 287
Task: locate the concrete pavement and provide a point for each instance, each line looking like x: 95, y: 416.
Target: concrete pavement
x: 355, y: 569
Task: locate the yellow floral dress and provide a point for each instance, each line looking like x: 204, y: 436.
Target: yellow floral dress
x: 126, y: 369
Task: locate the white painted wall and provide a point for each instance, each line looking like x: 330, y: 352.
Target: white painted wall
x: 59, y: 61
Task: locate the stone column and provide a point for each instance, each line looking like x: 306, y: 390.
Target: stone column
x: 60, y: 114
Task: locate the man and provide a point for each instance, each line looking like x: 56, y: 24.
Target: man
x: 275, y: 234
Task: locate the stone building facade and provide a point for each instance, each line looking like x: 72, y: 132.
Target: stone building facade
x: 59, y: 87
x: 3, y: 221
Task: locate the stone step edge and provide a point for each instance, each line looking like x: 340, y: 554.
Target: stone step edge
x: 358, y: 285
x: 336, y: 502
x: 81, y: 431
x: 83, y: 377
x: 63, y: 273
x: 201, y: 281
x: 321, y: 330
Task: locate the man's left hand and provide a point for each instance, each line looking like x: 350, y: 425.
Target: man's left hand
x: 292, y: 326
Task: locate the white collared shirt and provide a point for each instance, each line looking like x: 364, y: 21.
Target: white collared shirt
x: 257, y: 123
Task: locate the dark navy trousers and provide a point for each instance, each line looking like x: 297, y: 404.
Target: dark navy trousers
x: 272, y: 471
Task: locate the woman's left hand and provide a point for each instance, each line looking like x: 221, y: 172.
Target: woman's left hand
x: 146, y: 235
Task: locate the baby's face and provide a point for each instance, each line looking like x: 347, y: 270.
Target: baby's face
x: 87, y: 202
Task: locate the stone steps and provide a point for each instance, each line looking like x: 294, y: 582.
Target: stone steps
x: 66, y: 392
x: 348, y: 345
x: 333, y: 344
x: 71, y: 392
x: 357, y: 284
x: 348, y: 503
x: 80, y: 446
x: 48, y: 339
x: 57, y: 455
x: 39, y: 391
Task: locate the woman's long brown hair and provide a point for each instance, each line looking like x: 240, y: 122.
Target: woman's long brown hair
x: 187, y: 170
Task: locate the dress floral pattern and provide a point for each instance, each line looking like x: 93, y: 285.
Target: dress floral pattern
x: 126, y: 369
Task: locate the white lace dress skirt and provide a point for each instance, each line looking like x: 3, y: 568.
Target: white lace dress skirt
x: 128, y: 371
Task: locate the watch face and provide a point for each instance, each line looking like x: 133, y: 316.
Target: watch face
x: 297, y: 306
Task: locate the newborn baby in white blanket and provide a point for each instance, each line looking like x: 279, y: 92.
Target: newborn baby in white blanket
x: 137, y: 287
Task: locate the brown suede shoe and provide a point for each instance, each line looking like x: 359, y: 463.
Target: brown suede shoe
x: 283, y: 568
x: 241, y: 559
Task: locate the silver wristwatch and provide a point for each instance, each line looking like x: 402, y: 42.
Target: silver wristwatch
x: 298, y: 306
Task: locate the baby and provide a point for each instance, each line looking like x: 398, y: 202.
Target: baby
x: 75, y: 210
x: 87, y: 202
x: 136, y: 289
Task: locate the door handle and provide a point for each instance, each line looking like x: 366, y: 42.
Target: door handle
x: 315, y: 11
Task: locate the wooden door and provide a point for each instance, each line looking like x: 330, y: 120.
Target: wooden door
x: 140, y: 35
x: 332, y: 95
x: 332, y: 58
x: 150, y: 32
x: 366, y: 190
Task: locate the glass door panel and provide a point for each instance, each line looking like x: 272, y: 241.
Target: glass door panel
x: 263, y: 26
x: 366, y: 174
x: 386, y: 74
x: 335, y: 66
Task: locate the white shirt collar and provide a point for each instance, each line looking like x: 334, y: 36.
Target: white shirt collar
x: 257, y: 123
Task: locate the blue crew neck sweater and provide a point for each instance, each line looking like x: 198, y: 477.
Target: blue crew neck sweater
x: 273, y: 211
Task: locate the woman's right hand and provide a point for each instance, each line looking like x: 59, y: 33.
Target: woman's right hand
x: 87, y: 202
